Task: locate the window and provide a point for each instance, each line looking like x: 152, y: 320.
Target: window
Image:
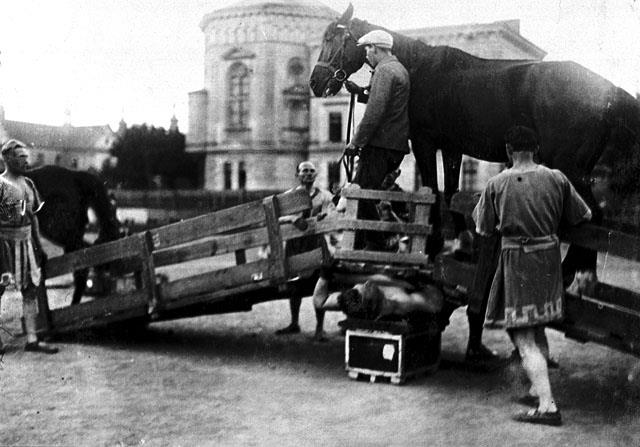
x: 335, y: 127
x: 238, y: 113
x: 469, y: 174
x: 295, y: 70
x: 227, y: 175
x: 242, y: 176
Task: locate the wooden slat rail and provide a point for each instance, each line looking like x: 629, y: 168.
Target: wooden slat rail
x: 420, y: 203
x: 224, y: 283
x: 230, y: 219
x: 128, y: 247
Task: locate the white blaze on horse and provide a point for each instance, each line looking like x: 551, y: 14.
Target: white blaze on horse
x: 463, y: 104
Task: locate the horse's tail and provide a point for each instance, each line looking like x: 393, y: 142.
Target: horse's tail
x: 100, y: 202
x: 623, y: 155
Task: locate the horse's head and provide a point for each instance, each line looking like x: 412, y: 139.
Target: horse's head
x: 339, y: 57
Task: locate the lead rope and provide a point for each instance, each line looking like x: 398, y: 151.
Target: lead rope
x: 348, y: 161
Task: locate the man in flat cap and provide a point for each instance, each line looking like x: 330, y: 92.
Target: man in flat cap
x: 382, y: 137
x: 20, y: 246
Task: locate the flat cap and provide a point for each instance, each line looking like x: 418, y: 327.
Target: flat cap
x: 377, y: 37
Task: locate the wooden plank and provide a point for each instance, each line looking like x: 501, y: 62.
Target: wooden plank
x: 375, y: 225
x: 137, y: 313
x: 590, y: 320
x: 147, y: 274
x: 604, y: 240
x: 608, y: 294
x: 350, y: 213
x: 392, y: 196
x: 380, y: 257
x: 213, y: 296
x: 230, y: 219
x: 96, y: 255
x: 216, y: 280
x: 77, y: 314
x: 278, y: 266
x: 298, y: 264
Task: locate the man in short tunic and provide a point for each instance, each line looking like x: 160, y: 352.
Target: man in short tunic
x: 20, y: 247
x: 526, y: 204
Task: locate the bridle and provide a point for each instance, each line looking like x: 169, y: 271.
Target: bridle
x: 338, y: 74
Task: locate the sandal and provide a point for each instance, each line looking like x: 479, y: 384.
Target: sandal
x: 538, y: 417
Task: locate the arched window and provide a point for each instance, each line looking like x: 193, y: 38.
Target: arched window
x: 238, y: 113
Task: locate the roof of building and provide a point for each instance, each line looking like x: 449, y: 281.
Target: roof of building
x: 444, y: 35
x: 67, y: 137
x: 298, y: 8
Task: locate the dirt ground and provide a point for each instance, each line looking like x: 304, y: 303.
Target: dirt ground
x: 228, y: 380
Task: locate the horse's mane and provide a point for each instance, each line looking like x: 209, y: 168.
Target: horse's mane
x: 417, y: 55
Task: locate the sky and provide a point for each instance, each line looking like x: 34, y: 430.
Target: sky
x: 93, y: 62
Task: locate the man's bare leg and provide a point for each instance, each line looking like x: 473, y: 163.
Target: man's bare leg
x: 535, y: 366
x: 30, y: 313
x: 294, y: 326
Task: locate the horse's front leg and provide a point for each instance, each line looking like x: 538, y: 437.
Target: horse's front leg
x: 79, y: 276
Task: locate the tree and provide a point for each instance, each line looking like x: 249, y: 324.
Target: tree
x: 150, y: 157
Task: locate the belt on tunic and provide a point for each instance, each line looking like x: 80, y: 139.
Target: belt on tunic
x: 15, y: 233
x: 21, y: 237
x: 530, y: 244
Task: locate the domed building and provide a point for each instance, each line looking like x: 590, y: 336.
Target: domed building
x: 253, y: 114
x: 255, y: 118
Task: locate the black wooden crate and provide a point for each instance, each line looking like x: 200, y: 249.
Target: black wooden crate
x: 390, y: 349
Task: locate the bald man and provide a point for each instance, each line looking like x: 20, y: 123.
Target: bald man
x: 321, y: 202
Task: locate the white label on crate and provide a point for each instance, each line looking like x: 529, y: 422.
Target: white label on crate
x: 388, y: 351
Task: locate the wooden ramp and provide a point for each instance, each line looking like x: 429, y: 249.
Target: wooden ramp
x: 225, y: 287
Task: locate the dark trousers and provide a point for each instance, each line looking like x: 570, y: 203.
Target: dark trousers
x: 373, y: 165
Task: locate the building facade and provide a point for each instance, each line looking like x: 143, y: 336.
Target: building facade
x: 255, y: 118
x: 82, y: 148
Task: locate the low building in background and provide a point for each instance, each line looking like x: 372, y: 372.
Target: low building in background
x: 82, y: 147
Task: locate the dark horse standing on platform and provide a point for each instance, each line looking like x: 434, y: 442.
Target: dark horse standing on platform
x: 67, y: 196
x: 463, y: 104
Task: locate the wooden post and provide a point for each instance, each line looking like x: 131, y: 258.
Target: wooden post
x: 421, y: 216
x: 351, y: 212
x: 278, y: 268
x: 147, y: 275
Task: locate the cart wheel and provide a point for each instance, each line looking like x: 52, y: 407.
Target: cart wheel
x: 397, y: 380
x: 353, y: 375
